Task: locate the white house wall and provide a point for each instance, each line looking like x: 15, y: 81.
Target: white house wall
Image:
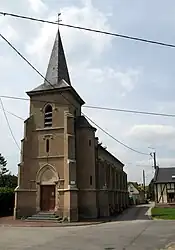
x: 162, y: 197
x: 132, y: 190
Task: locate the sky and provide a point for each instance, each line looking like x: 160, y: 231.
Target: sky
x: 106, y: 71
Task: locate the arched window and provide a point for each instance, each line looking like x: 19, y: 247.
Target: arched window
x: 48, y: 116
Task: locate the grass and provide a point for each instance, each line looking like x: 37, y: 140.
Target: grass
x: 163, y: 213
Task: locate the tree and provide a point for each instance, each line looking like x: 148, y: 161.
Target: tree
x: 3, y: 169
x: 9, y: 181
x: 6, y: 178
x: 3, y: 163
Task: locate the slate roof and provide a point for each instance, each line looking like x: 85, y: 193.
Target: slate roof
x: 164, y: 175
x: 57, y: 68
x: 110, y: 154
x: 57, y: 75
x: 61, y: 84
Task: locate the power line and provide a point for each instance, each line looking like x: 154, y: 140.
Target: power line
x: 99, y: 107
x: 6, y: 111
x: 130, y: 111
x: 17, y: 51
x: 14, y: 115
x: 64, y: 96
x: 115, y: 138
x: 10, y: 129
x: 91, y: 30
x: 8, y: 124
x: 96, y: 126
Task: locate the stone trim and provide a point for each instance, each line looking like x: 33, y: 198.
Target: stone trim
x: 48, y: 136
x: 50, y: 128
x: 101, y: 189
x: 67, y: 189
x: 41, y: 171
x: 91, y: 189
x: 25, y: 190
x: 68, y: 114
x: 49, y: 156
x: 70, y: 135
x: 71, y: 161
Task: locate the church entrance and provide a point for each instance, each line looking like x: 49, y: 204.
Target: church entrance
x: 47, y: 202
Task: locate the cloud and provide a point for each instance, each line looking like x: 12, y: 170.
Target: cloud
x: 161, y: 162
x: 7, y: 30
x: 85, y: 54
x: 147, y: 132
x: 43, y: 42
x: 37, y: 5
x: 166, y: 162
x: 109, y: 82
x: 90, y: 17
x: 127, y: 79
x: 104, y: 70
x: 89, y: 43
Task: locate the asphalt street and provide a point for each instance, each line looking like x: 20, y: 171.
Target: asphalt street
x: 133, y: 231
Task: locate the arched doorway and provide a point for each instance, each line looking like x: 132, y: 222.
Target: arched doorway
x: 47, y: 179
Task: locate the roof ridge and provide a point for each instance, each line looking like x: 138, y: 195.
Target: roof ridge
x: 164, y: 175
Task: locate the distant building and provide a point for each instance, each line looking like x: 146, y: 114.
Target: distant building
x: 63, y: 168
x: 136, y: 193
x: 164, y: 186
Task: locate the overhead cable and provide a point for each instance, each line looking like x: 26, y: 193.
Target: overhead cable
x: 17, y: 51
x: 138, y: 39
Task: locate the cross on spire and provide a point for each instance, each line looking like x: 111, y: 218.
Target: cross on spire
x: 57, y: 69
x: 57, y: 74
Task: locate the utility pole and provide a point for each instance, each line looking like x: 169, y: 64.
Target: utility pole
x: 144, y: 182
x: 154, y: 159
x: 153, y: 155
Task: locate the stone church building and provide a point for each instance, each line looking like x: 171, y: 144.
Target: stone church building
x: 64, y: 168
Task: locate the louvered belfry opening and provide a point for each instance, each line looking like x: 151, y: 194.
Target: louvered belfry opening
x: 48, y: 116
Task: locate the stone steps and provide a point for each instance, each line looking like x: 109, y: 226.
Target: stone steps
x: 47, y: 216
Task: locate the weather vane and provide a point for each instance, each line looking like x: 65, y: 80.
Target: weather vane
x: 59, y: 20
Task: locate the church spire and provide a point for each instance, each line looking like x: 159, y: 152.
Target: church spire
x: 57, y: 69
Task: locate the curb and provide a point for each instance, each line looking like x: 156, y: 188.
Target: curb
x: 58, y: 224
x: 149, y: 214
x: 47, y: 224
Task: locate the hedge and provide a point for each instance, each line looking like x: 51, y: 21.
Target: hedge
x: 7, y: 198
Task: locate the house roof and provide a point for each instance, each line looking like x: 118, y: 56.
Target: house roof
x: 135, y: 184
x: 164, y: 175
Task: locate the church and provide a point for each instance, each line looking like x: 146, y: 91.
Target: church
x: 64, y: 169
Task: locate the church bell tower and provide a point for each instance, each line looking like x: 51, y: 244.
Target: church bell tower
x: 47, y: 177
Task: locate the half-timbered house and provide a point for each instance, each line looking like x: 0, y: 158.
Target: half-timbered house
x: 164, y: 186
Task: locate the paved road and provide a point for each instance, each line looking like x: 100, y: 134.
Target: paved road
x: 136, y: 213
x: 137, y: 234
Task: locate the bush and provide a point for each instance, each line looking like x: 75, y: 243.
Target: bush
x: 7, y: 198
